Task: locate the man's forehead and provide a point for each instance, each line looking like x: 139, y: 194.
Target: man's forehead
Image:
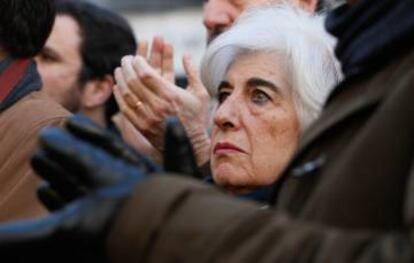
x: 59, y: 41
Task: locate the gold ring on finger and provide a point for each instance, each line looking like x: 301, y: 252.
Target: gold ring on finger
x: 138, y: 104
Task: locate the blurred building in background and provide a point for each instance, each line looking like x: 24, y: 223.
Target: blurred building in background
x: 178, y: 21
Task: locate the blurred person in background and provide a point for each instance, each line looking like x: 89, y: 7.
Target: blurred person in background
x: 219, y: 15
x: 77, y: 63
x: 24, y: 107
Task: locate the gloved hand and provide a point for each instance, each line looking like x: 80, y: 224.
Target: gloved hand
x: 107, y: 174
x: 178, y: 153
x: 75, y: 163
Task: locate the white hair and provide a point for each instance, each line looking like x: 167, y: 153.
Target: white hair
x: 298, y: 36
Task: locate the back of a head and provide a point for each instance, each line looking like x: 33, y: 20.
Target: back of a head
x: 298, y: 36
x: 25, y: 26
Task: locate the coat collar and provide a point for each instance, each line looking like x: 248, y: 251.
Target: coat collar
x: 371, y: 33
x: 29, y: 82
x: 354, y: 27
x: 349, y: 99
x: 365, y: 84
x: 352, y: 97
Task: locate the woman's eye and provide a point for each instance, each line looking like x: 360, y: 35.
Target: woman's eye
x: 222, y: 96
x: 260, y: 97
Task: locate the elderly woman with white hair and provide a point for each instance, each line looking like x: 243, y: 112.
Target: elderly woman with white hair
x: 270, y: 75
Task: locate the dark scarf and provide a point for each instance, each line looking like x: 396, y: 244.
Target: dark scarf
x: 371, y: 34
x: 28, y: 83
x: 261, y: 195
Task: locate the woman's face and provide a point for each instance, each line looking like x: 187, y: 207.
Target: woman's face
x: 256, y: 127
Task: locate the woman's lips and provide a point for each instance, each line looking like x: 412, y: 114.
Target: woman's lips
x: 226, y: 147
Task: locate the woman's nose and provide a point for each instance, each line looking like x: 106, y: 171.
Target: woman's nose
x: 227, y: 114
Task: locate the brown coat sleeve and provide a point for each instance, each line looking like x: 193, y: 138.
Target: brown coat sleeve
x: 20, y: 126
x: 172, y: 219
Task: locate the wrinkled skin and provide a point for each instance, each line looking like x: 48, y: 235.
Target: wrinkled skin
x: 256, y: 127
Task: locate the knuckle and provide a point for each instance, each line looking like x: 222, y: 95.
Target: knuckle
x: 123, y: 109
x: 145, y: 76
x: 158, y: 109
x: 157, y: 120
x: 146, y: 126
x: 154, y: 120
x: 130, y: 81
x: 172, y: 98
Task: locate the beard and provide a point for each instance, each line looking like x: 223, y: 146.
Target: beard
x: 72, y: 99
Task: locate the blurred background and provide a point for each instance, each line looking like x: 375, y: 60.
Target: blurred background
x: 178, y: 21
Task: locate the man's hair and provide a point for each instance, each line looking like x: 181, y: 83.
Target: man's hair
x: 25, y: 26
x: 297, y: 36
x: 106, y: 38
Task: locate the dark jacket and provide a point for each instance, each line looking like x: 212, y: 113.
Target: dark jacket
x: 348, y: 195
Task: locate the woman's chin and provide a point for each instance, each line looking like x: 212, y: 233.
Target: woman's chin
x: 236, y: 180
x: 230, y: 176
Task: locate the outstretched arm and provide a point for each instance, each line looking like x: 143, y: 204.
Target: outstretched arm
x: 129, y: 216
x: 190, y: 222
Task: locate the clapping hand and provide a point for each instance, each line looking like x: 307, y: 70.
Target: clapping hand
x: 147, y: 96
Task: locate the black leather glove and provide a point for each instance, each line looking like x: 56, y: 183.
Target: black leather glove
x: 178, y: 152
x: 63, y: 165
x: 77, y: 232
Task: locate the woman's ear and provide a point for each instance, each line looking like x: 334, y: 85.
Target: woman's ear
x: 97, y: 92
